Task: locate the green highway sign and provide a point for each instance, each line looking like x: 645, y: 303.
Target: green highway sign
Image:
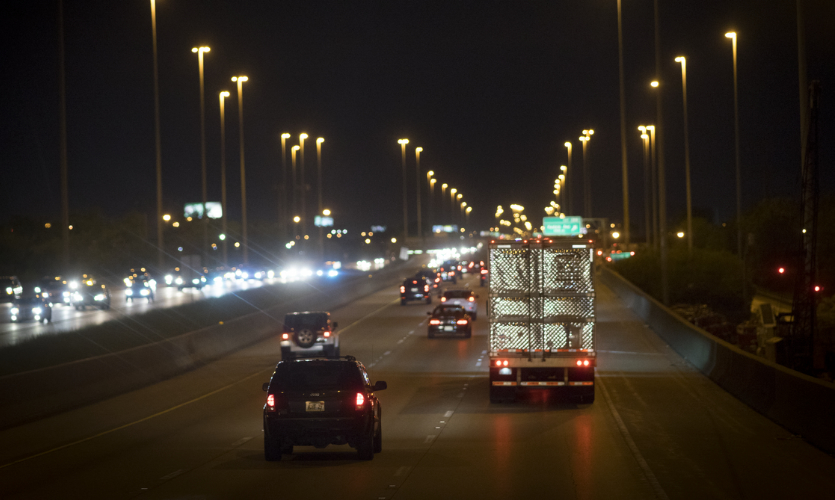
x: 557, y: 226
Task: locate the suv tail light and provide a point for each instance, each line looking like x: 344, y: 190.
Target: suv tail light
x: 461, y: 322
x: 360, y: 401
x: 271, y: 402
x: 402, y: 289
x: 434, y: 322
x: 326, y: 334
x: 483, y: 271
x: 285, y: 336
x: 425, y: 288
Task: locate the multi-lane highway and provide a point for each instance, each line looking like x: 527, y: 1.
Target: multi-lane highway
x: 66, y: 318
x: 658, y: 429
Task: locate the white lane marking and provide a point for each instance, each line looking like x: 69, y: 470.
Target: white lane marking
x: 241, y: 441
x: 630, y: 352
x: 442, y: 422
x: 386, y: 353
x: 461, y: 395
x: 400, y: 341
x: 465, y: 385
x: 437, y: 427
x: 401, y: 470
x: 448, y: 414
x: 659, y: 491
x: 411, y: 332
x: 484, y: 352
x: 343, y: 330
x: 429, y: 438
x: 172, y: 475
x: 478, y: 364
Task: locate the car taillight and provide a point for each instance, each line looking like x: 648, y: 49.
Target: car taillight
x: 402, y: 289
x: 285, y: 336
x: 452, y: 273
x: 425, y: 288
x: 483, y: 271
x: 271, y: 402
x: 437, y: 280
x: 471, y: 299
x: 461, y: 322
x: 434, y: 322
x: 326, y: 334
x: 360, y: 400
x: 443, y: 299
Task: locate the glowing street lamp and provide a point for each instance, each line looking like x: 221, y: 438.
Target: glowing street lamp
x: 302, y: 184
x: 403, y: 143
x: 240, y: 81
x: 200, y: 51
x: 584, y: 139
x: 293, y: 151
x: 319, y: 142
x: 284, y: 209
x: 418, y: 150
x: 683, y: 63
x: 222, y: 96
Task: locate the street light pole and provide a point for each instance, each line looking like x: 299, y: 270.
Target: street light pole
x: 319, y: 142
x: 443, y: 200
x: 431, y: 213
x: 586, y: 174
x: 732, y: 36
x: 240, y: 80
x: 303, y: 186
x: 656, y: 240
x: 417, y: 176
x: 223, y: 214
x: 284, y: 212
x: 452, y: 192
x: 647, y: 181
x: 403, y: 143
x: 199, y: 51
x: 683, y: 61
x: 569, y: 197
x: 662, y: 183
x: 157, y: 144
x: 625, y: 170
x: 293, y: 151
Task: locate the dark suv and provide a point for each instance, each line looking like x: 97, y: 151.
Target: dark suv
x: 317, y: 402
x: 307, y: 334
x: 417, y: 288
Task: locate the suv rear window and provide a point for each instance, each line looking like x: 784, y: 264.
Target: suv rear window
x: 450, y: 309
x: 312, y: 375
x: 457, y: 294
x: 300, y: 321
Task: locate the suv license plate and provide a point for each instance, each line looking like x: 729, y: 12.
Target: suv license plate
x: 414, y: 289
x: 314, y: 406
x: 449, y: 328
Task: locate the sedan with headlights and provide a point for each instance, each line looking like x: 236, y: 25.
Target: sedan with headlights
x: 451, y: 319
x: 31, y: 308
x: 88, y: 292
x: 140, y: 286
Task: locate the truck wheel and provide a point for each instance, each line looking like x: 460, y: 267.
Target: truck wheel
x: 272, y: 453
x: 365, y: 448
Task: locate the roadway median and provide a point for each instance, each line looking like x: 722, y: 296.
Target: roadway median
x: 802, y: 404
x: 46, y: 390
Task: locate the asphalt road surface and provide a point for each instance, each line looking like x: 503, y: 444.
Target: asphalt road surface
x: 658, y: 429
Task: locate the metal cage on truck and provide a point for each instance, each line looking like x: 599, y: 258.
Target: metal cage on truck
x: 541, y: 312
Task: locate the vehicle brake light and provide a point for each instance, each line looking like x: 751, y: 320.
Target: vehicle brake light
x: 402, y: 289
x: 434, y: 322
x: 585, y: 362
x: 443, y: 299
x: 471, y: 299
x: 498, y: 362
x: 452, y: 273
x: 579, y: 363
x: 483, y: 271
x: 425, y: 288
x: 461, y: 322
x: 326, y: 334
x: 271, y: 402
x: 437, y: 280
x: 285, y: 336
x: 360, y: 400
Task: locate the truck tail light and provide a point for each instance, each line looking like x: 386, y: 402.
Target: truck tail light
x: 501, y: 362
x: 471, y: 299
x: 285, y: 336
x: 402, y: 289
x: 271, y: 402
x: 582, y: 362
x: 443, y: 299
x: 434, y: 322
x: 461, y: 322
x: 360, y: 401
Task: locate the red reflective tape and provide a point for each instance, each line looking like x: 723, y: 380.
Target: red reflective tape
x: 500, y: 383
x: 543, y: 383
x: 581, y: 383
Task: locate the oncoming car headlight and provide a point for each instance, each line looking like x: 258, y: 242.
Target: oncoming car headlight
x: 99, y: 297
x: 37, y: 310
x: 145, y: 292
x: 15, y: 310
x: 129, y: 292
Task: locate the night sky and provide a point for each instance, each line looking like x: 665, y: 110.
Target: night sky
x: 490, y: 89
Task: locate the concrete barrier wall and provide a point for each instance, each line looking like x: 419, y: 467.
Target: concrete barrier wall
x: 31, y: 395
x: 802, y: 404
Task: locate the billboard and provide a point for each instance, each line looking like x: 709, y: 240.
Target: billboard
x: 321, y: 221
x: 195, y: 210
